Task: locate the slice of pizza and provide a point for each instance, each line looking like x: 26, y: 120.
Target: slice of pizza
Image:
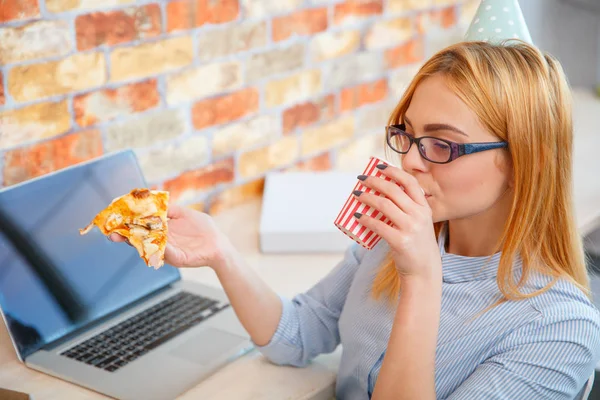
x: 141, y: 217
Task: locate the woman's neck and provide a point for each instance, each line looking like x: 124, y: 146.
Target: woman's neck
x: 478, y: 235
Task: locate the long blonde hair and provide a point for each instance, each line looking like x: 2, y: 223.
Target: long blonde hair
x: 521, y: 95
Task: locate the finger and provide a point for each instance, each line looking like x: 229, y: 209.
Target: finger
x: 406, y: 180
x: 392, y: 191
x: 115, y: 237
x: 388, y: 233
x: 384, y: 206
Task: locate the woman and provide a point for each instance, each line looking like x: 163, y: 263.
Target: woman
x: 480, y: 289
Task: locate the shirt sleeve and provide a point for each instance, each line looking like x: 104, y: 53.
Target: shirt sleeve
x: 309, y: 322
x: 550, y: 358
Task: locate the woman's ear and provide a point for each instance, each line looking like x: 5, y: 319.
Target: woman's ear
x: 511, y: 174
x: 505, y: 164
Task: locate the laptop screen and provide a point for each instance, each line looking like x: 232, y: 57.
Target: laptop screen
x: 66, y: 280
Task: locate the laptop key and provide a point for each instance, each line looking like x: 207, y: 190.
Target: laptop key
x: 130, y: 357
x: 107, y: 362
x: 120, y: 362
x: 94, y: 361
x: 83, y: 356
x: 112, y: 368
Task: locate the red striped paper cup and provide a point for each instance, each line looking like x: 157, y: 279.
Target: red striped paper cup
x: 348, y: 224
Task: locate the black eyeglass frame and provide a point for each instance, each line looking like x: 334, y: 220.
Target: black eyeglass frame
x: 456, y: 149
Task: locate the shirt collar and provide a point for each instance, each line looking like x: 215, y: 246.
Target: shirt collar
x: 456, y: 268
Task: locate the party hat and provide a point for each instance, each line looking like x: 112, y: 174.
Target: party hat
x: 497, y: 20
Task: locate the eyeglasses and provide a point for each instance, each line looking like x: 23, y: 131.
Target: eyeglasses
x: 438, y: 151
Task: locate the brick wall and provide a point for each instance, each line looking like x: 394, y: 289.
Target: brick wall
x: 211, y: 94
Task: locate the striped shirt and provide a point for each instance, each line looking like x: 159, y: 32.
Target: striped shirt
x: 545, y: 347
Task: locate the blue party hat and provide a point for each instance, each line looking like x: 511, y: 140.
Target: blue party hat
x: 498, y: 20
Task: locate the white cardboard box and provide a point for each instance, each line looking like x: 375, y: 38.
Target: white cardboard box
x: 299, y: 210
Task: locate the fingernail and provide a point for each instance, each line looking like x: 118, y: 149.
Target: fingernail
x: 357, y: 193
x: 382, y: 166
x: 362, y: 177
x: 357, y: 215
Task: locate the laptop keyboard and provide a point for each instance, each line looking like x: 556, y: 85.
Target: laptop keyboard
x: 134, y: 337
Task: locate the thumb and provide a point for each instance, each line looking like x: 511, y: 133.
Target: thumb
x: 174, y: 255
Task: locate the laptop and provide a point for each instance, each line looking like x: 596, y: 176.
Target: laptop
x: 90, y: 311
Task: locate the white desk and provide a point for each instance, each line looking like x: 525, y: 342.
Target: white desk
x: 253, y: 376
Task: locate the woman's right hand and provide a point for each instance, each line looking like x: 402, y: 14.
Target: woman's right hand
x: 193, y: 239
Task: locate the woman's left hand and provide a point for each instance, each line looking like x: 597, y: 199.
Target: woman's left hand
x: 411, y: 238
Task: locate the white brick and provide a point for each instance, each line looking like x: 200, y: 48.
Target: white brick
x: 274, y: 62
x: 170, y: 160
x: 373, y: 119
x: 232, y: 39
x: 245, y: 135
x: 146, y: 130
x: 347, y: 71
x: 384, y: 34
x: 400, y: 79
x: 263, y: 8
x: 293, y: 88
x: 327, y: 136
x: 35, y: 40
x: 203, y: 81
x: 328, y: 45
x: 403, y: 6
x: 355, y: 156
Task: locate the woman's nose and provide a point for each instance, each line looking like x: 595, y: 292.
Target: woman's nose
x: 412, y: 161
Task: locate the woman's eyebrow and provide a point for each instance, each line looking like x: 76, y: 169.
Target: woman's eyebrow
x: 437, y: 127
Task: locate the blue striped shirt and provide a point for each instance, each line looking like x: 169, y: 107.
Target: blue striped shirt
x: 545, y: 347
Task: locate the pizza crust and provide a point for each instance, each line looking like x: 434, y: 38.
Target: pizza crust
x: 141, y: 217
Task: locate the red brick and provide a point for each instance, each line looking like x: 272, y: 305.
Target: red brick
x: 188, y: 14
x: 449, y: 17
x: 304, y: 22
x: 197, y: 181
x: 445, y: 18
x: 2, y: 98
x: 107, y: 104
x: 366, y: 93
x: 115, y: 27
x: 42, y: 158
x: 308, y: 113
x: 408, y: 53
x: 13, y: 10
x: 225, y: 108
x: 319, y: 163
x: 356, y: 9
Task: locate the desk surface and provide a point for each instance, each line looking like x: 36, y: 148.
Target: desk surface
x: 289, y: 274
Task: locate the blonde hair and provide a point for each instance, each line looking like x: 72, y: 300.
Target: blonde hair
x: 522, y: 96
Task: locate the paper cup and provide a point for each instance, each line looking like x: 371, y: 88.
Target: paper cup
x: 348, y: 224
